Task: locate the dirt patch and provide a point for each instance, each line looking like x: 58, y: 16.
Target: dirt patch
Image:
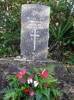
x: 66, y: 79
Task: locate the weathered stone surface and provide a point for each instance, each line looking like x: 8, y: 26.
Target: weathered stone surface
x: 66, y: 79
x: 34, y: 31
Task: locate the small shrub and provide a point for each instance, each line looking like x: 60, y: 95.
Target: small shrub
x: 33, y: 84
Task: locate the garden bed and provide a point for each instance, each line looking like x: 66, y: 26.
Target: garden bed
x: 64, y: 74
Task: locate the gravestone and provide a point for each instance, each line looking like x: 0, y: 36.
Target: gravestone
x: 34, y: 31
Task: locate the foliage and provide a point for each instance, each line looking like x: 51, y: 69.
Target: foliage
x: 69, y: 59
x: 33, y: 84
x: 10, y: 27
x: 61, y: 28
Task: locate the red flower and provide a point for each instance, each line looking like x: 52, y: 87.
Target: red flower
x: 21, y: 73
x: 44, y: 73
x: 26, y: 90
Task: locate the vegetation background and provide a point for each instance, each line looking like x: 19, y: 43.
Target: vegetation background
x: 61, y: 28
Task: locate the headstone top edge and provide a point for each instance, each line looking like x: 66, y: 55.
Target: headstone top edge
x: 27, y: 5
x: 24, y: 5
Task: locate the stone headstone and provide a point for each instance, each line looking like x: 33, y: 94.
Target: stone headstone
x: 34, y: 31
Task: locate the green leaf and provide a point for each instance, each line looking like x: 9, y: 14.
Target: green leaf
x: 10, y: 94
x: 38, y: 96
x: 46, y: 92
x: 55, y: 92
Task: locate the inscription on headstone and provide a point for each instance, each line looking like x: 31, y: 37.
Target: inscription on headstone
x: 34, y: 31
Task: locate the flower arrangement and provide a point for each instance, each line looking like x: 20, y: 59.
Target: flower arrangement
x: 32, y: 84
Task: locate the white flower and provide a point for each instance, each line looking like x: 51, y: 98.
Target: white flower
x: 36, y: 83
x: 57, y: 24
x: 29, y: 80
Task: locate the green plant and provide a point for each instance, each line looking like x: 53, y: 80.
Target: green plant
x: 32, y: 84
x: 69, y: 59
x: 61, y: 28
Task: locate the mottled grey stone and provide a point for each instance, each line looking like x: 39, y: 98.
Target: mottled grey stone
x: 34, y: 31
